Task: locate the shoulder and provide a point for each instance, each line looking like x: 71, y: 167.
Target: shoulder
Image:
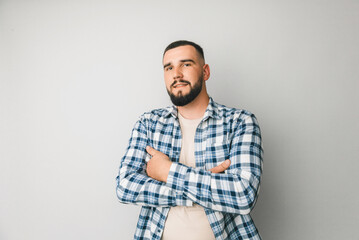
x: 237, y: 120
x: 155, y: 115
x: 233, y: 114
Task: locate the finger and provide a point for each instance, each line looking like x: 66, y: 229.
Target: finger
x: 222, y: 167
x: 225, y: 165
x: 216, y: 169
x: 151, y: 150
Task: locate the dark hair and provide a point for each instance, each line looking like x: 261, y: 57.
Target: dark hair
x: 184, y: 43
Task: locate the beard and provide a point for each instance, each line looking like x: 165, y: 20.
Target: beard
x: 182, y: 100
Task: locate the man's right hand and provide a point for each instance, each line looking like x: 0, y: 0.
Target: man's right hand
x: 221, y: 167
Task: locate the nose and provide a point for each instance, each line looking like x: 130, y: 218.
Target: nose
x: 177, y: 73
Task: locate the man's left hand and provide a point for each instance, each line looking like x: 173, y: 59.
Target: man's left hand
x: 159, y: 165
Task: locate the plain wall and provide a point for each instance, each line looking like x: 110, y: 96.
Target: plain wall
x: 75, y: 76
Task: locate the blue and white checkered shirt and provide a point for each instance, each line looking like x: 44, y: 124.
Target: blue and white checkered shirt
x: 227, y: 198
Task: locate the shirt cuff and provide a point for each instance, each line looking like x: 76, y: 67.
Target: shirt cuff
x: 176, y: 178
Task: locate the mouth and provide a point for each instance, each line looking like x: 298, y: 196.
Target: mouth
x: 180, y: 85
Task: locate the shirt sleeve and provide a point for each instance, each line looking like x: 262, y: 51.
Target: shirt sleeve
x: 133, y: 184
x: 234, y: 191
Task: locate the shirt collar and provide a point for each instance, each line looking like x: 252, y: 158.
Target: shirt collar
x: 211, y: 110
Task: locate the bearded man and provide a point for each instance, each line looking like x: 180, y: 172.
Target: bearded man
x: 195, y: 167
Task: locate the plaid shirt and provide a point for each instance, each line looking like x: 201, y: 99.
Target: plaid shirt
x: 227, y: 198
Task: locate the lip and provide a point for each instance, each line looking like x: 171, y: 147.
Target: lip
x: 180, y: 85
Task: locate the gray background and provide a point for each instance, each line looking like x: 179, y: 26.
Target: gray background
x: 75, y: 76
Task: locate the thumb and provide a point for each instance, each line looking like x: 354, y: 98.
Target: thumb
x: 151, y: 150
x: 221, y: 167
x: 226, y: 163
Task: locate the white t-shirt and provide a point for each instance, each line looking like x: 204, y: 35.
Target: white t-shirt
x: 189, y: 223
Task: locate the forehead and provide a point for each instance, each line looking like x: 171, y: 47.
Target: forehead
x: 180, y: 53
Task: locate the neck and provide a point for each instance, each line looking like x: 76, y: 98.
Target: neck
x: 196, y: 108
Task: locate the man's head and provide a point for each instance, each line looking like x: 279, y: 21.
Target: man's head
x: 184, y: 71
x: 185, y: 43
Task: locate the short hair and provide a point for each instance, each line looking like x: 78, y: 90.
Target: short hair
x: 180, y: 43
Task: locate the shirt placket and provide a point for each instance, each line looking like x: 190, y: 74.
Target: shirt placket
x: 200, y: 143
x: 176, y: 141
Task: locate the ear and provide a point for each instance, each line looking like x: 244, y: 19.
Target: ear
x: 206, y: 72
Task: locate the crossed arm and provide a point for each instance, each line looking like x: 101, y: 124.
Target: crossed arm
x: 161, y: 182
x: 159, y: 165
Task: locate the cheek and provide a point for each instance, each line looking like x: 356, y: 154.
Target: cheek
x: 166, y: 76
x: 168, y: 83
x: 191, y: 73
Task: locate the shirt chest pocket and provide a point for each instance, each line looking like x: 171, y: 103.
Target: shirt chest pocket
x: 216, y: 153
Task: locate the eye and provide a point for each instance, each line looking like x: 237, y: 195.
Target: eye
x: 187, y: 64
x: 168, y: 68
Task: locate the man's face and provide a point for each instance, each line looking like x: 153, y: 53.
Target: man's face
x: 183, y: 73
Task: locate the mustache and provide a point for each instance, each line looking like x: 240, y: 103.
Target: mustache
x: 181, y: 80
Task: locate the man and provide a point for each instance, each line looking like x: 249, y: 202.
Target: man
x: 195, y: 167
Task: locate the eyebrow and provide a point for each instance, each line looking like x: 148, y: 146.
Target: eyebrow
x: 187, y: 60
x: 183, y: 60
x: 166, y: 65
